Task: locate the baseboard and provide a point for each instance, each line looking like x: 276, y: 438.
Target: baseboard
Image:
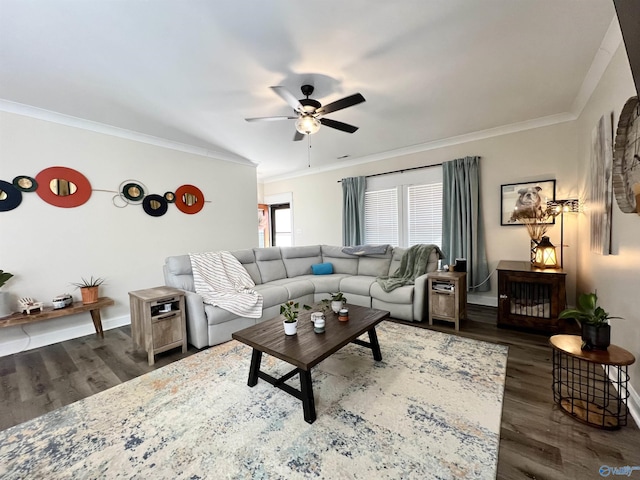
x: 26, y: 341
x: 633, y: 402
x: 478, y: 299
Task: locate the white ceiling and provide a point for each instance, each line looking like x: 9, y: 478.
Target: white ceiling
x: 191, y: 71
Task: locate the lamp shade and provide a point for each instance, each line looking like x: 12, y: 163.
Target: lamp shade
x: 546, y: 254
x: 307, y: 124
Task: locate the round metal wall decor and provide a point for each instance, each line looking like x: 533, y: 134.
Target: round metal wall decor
x: 154, y: 205
x: 189, y: 199
x: 626, y: 157
x: 64, y: 175
x: 133, y: 191
x: 10, y: 196
x: 25, y: 184
x: 170, y: 197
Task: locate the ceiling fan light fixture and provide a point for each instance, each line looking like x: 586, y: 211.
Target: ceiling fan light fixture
x: 307, y: 124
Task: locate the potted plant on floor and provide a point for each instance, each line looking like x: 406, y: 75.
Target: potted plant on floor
x: 89, y: 289
x: 5, y: 307
x: 593, y: 320
x: 290, y: 311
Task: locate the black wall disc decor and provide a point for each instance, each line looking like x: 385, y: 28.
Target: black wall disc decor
x: 24, y: 183
x: 10, y: 198
x: 155, y: 205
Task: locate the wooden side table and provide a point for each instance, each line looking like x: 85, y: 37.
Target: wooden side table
x: 447, y: 296
x: 49, y: 313
x: 591, y: 386
x: 158, y: 320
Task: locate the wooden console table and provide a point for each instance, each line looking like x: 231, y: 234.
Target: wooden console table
x: 49, y: 313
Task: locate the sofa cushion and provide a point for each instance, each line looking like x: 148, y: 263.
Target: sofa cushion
x: 432, y: 263
x: 297, y: 287
x: 217, y: 315
x: 178, y: 273
x: 322, y: 269
x: 248, y: 260
x: 402, y: 294
x: 270, y: 264
x: 298, y: 260
x: 375, y: 265
x: 360, y: 284
x: 342, y: 262
x: 326, y: 283
x: 272, y: 294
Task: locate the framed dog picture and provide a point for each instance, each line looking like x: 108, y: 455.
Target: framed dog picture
x: 520, y: 200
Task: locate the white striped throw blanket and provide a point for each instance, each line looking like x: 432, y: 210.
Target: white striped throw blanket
x: 222, y: 281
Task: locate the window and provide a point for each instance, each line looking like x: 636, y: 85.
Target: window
x: 281, y: 225
x: 381, y: 217
x: 404, y: 209
x: 425, y: 213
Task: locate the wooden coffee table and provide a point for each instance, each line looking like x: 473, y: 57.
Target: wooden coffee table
x: 307, y: 348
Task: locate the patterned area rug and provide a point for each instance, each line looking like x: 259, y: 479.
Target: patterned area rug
x: 430, y: 409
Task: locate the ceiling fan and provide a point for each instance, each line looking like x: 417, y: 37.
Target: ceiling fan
x: 310, y: 111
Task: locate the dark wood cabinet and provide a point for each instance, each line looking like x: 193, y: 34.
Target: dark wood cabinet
x: 530, y: 297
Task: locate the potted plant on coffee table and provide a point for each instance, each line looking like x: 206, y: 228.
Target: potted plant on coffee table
x: 337, y: 301
x: 290, y: 311
x: 5, y: 307
x: 593, y: 320
x: 89, y: 289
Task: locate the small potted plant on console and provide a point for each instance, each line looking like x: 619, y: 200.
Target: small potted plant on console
x: 593, y: 320
x: 89, y: 289
x: 290, y: 311
x: 5, y: 304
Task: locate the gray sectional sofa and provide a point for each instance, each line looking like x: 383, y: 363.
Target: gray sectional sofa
x: 285, y: 273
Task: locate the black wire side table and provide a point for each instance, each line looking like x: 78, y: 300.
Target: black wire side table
x: 591, y: 386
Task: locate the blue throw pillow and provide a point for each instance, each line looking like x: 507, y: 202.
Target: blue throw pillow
x: 322, y: 269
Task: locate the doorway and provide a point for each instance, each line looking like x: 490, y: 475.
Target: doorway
x: 281, y: 232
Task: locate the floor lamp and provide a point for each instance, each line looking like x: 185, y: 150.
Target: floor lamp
x: 560, y: 207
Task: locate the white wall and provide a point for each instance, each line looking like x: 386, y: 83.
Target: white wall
x: 616, y: 277
x: 47, y: 247
x: 538, y: 154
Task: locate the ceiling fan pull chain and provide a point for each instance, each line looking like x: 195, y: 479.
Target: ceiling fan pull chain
x: 309, y: 150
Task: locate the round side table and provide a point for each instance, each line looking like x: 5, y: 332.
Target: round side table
x: 591, y: 386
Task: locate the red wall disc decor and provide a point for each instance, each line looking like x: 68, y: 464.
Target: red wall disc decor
x: 194, y: 202
x: 75, y: 199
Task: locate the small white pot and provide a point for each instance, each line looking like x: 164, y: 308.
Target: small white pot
x: 336, y: 305
x: 290, y: 328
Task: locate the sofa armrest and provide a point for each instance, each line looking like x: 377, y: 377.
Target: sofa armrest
x: 197, y: 324
x: 420, y: 298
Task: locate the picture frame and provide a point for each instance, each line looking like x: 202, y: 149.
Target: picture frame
x: 525, y: 196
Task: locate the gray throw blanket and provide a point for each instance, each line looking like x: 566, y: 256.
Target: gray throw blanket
x: 362, y: 250
x: 413, y: 264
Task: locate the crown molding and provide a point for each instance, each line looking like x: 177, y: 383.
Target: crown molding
x: 70, y: 121
x: 436, y: 144
x: 608, y: 47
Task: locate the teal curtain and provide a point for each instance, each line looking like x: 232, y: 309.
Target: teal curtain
x: 462, y: 225
x: 353, y: 189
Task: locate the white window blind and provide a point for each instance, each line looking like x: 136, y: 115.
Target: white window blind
x: 381, y: 217
x: 425, y: 214
x: 404, y: 209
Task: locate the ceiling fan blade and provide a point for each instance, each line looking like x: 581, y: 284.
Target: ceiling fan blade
x: 298, y: 136
x: 345, y: 127
x: 288, y: 97
x: 268, y: 119
x: 340, y: 104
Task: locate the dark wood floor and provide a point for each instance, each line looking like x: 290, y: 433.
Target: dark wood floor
x: 537, y: 440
